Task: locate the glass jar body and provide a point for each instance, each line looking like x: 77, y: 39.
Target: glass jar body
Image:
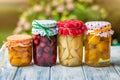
x: 20, y: 56
x: 97, y: 50
x: 70, y: 49
x: 44, y: 50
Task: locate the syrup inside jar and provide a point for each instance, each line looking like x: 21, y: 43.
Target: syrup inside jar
x: 97, y: 53
x: 45, y: 50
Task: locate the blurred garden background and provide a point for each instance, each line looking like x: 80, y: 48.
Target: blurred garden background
x: 16, y: 15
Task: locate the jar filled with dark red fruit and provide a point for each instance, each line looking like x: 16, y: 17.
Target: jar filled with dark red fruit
x: 44, y: 33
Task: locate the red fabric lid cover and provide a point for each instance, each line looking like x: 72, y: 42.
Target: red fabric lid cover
x: 71, y: 27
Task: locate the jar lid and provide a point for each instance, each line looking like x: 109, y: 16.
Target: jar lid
x: 99, y: 28
x: 44, y: 27
x: 71, y: 27
x: 94, y: 25
x: 19, y: 40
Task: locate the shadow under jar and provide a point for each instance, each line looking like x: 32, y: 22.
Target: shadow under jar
x: 44, y: 33
x: 97, y: 43
x: 70, y: 42
x: 20, y: 49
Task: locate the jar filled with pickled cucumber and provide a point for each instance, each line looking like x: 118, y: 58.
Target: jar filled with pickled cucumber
x: 20, y: 49
x: 70, y: 42
x: 44, y: 34
x: 97, y: 43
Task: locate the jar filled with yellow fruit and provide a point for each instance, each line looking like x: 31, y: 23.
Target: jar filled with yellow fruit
x: 97, y: 43
x: 70, y: 43
x: 19, y: 49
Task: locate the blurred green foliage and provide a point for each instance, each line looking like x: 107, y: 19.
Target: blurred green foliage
x: 84, y: 10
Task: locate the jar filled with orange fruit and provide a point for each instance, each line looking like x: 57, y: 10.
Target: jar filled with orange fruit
x: 97, y: 43
x: 19, y: 49
x: 70, y: 42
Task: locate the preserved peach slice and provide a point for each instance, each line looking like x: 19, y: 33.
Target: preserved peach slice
x: 104, y: 62
x: 93, y: 39
x: 93, y: 56
x: 18, y: 56
x: 19, y: 49
x: 105, y: 55
x: 86, y: 46
x: 25, y: 55
x: 11, y: 52
x: 16, y: 61
x: 25, y: 61
x: 103, y: 46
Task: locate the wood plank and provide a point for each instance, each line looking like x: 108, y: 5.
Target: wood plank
x: 33, y: 72
x: 59, y: 72
x: 7, y: 71
x: 105, y: 73
x: 115, y: 55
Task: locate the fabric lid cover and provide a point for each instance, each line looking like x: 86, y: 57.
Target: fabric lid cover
x: 71, y: 27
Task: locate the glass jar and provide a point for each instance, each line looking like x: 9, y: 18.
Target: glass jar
x: 70, y: 43
x: 44, y: 42
x: 97, y: 43
x: 20, y: 50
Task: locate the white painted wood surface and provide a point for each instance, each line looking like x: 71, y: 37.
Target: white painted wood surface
x: 104, y: 73
x: 59, y: 72
x: 90, y: 73
x: 115, y: 59
x: 7, y: 71
x: 33, y: 72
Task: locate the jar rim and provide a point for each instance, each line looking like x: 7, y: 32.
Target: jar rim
x: 19, y: 37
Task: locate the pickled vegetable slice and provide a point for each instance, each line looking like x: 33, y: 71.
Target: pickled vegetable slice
x: 63, y: 41
x: 65, y: 54
x: 74, y: 62
x: 75, y: 43
x: 74, y: 53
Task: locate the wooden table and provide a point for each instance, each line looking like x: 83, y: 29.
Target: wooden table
x: 59, y: 72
